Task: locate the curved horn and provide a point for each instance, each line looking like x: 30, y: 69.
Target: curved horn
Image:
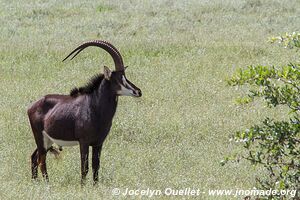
x: 113, y: 51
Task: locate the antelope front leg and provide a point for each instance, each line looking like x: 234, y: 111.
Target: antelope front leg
x: 96, y: 162
x: 84, y: 155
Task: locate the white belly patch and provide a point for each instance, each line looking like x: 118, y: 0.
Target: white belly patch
x: 48, y: 141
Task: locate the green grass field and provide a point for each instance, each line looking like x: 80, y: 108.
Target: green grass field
x: 178, y: 52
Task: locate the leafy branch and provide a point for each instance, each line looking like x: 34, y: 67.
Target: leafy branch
x: 289, y: 40
x: 275, y: 145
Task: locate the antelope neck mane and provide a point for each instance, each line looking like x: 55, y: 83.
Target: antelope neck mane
x: 89, y: 87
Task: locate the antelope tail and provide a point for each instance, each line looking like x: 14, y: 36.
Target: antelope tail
x: 55, y: 151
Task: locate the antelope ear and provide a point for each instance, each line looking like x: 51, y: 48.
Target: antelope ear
x: 107, y: 73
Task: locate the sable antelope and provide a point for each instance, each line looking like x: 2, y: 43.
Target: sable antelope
x: 84, y: 117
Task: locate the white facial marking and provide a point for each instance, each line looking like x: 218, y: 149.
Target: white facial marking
x: 126, y: 84
x: 123, y: 79
x: 125, y: 91
x: 57, y: 141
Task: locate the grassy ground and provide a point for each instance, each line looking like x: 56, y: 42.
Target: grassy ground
x: 180, y: 54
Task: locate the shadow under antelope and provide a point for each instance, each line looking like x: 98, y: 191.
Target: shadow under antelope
x: 83, y: 117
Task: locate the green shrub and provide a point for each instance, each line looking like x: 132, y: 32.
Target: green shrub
x: 273, y: 144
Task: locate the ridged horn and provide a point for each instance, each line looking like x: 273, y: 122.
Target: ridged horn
x: 113, y: 51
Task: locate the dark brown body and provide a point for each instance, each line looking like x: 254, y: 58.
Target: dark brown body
x: 84, y: 117
x: 62, y: 117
